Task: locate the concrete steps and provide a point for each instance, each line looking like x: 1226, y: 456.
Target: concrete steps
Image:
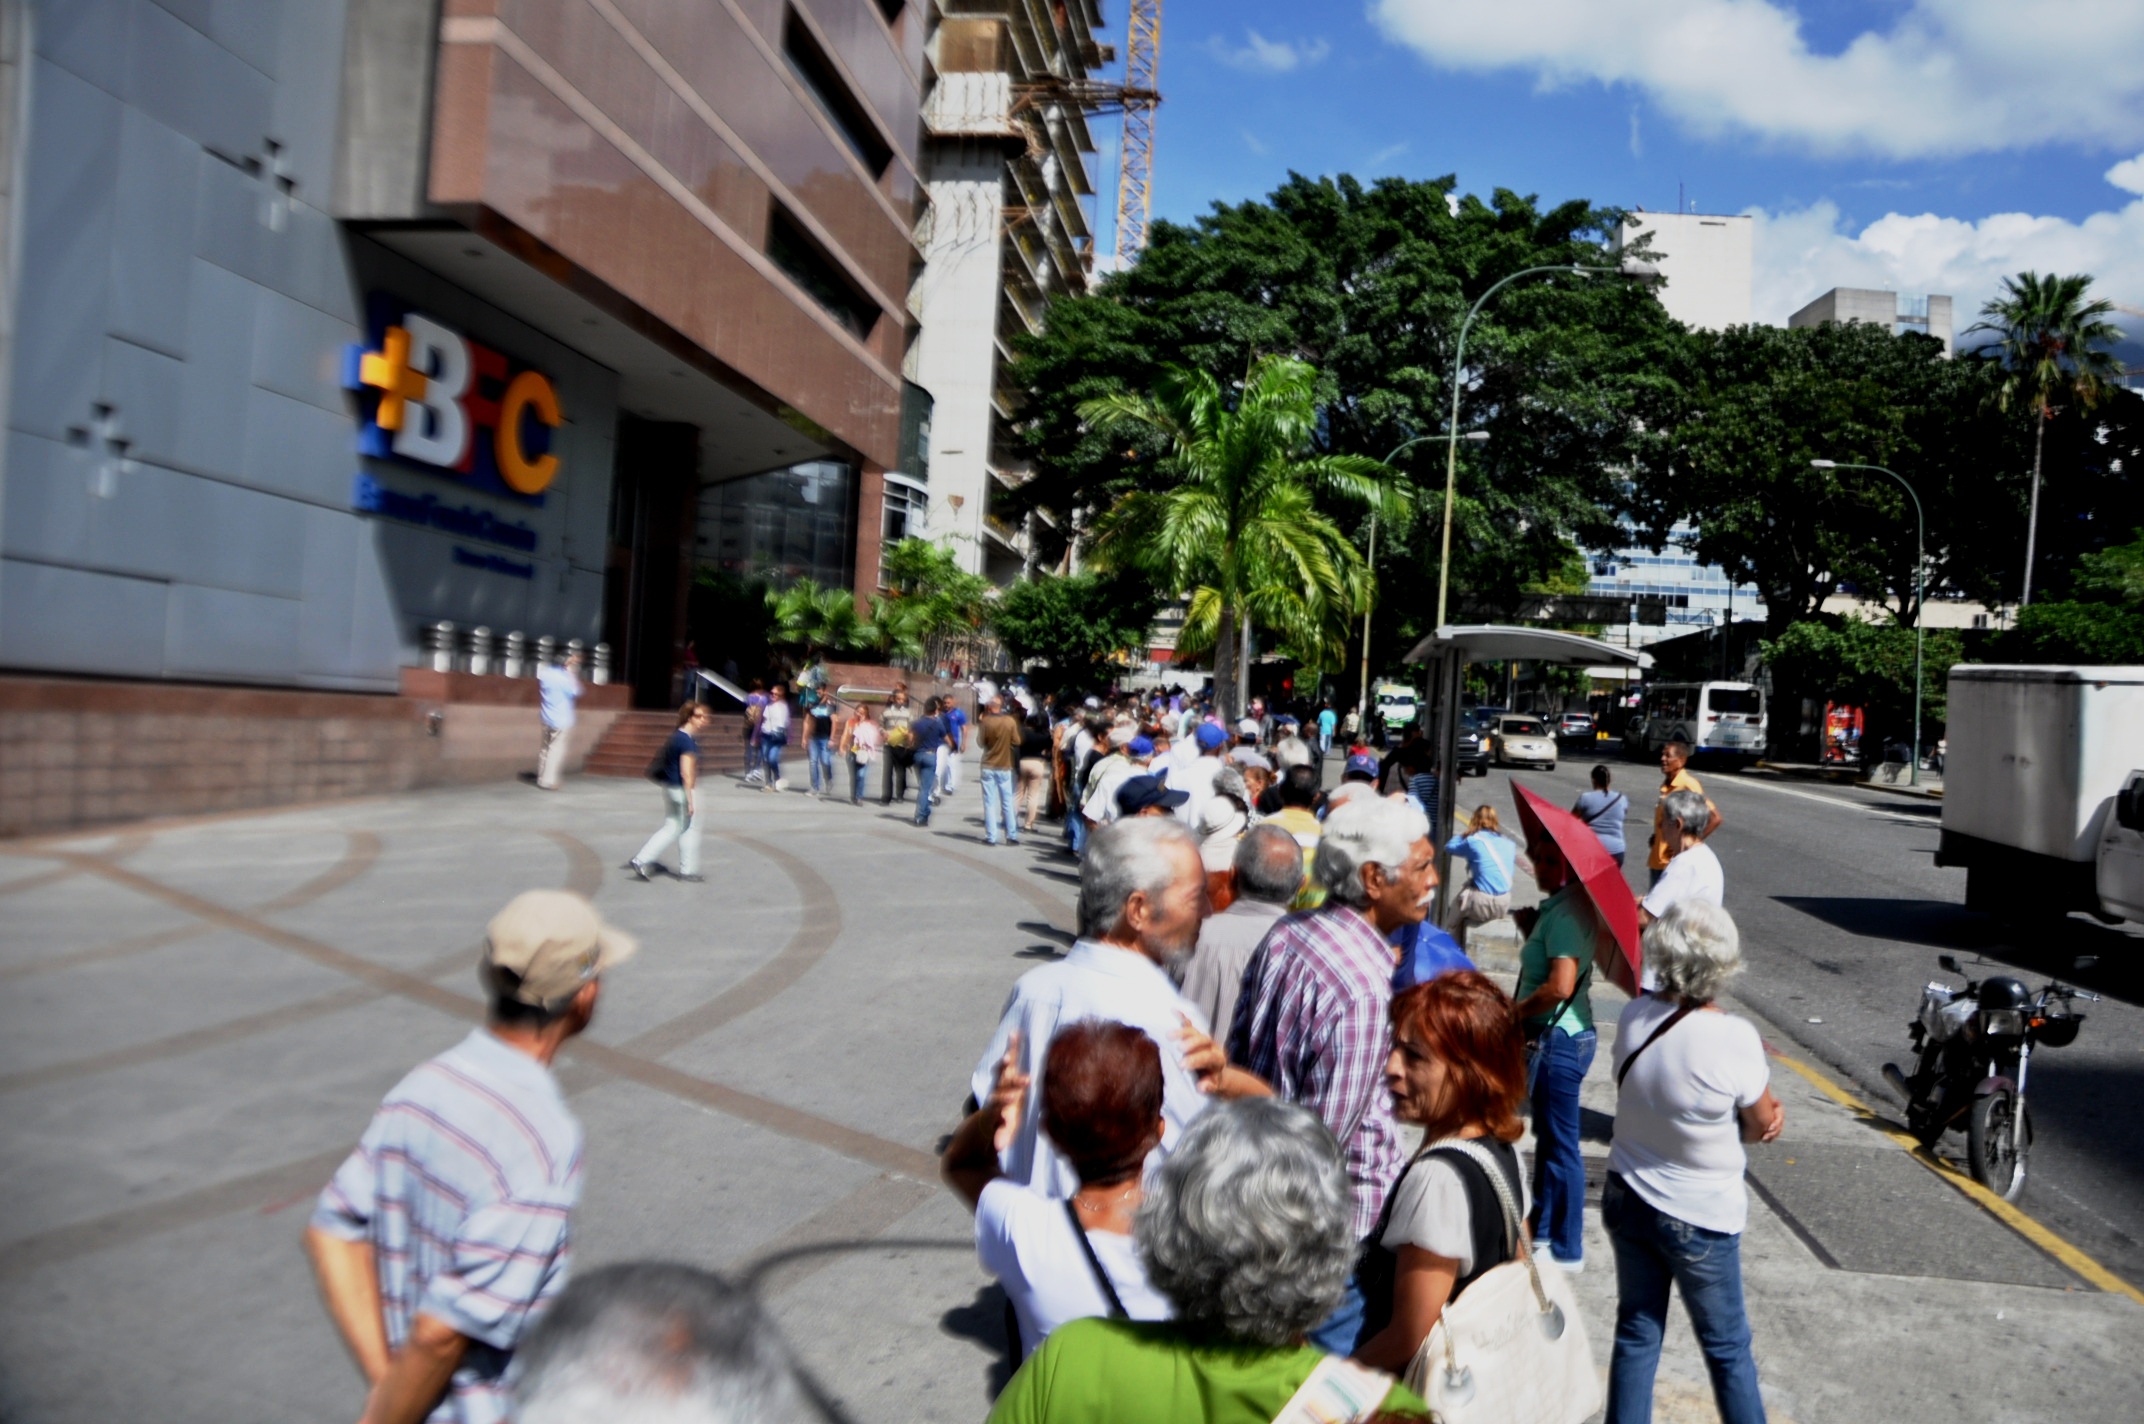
x: 635, y: 738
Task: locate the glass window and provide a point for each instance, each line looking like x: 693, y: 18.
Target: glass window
x: 784, y: 525
x: 1522, y: 727
x: 1746, y: 700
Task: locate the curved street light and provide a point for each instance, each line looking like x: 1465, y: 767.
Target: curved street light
x: 1920, y: 591
x: 1628, y: 267
x: 1362, y: 696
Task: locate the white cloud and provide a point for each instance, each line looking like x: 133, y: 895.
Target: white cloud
x: 1384, y: 156
x: 1948, y: 77
x: 1254, y: 143
x: 1802, y: 253
x: 1259, y: 55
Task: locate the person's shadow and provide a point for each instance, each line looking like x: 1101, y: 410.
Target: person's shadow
x: 988, y: 1321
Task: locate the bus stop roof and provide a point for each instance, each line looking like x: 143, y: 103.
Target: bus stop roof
x: 1497, y: 643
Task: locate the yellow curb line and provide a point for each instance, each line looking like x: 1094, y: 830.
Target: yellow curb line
x: 2003, y: 1211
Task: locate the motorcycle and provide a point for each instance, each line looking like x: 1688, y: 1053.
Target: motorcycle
x: 1974, y: 1046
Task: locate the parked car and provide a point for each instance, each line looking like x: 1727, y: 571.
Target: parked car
x: 1576, y: 728
x: 1473, y: 745
x: 1520, y: 740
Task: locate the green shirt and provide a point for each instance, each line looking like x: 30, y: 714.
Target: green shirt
x: 1096, y: 1371
x: 1564, y: 931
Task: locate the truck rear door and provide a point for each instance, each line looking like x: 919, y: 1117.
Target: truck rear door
x: 2121, y: 853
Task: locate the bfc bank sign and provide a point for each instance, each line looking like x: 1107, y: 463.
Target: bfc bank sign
x: 433, y: 397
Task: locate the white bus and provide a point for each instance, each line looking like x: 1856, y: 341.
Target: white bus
x: 1720, y: 720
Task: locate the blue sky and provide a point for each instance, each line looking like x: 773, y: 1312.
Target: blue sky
x: 1926, y: 145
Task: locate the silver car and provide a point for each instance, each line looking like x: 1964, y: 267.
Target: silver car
x: 1523, y: 741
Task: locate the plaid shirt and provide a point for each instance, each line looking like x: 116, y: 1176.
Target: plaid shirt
x: 1313, y: 1023
x: 464, y: 1183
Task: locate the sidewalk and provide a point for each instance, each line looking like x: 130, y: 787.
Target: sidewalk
x: 1877, y: 1291
x: 1889, y: 776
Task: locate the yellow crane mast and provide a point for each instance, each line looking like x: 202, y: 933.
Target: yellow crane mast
x: 1141, y: 97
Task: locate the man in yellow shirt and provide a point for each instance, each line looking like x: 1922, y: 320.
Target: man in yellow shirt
x: 1675, y: 776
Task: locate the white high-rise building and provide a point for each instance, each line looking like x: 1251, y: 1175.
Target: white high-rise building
x: 1929, y: 315
x: 1706, y: 260
x: 1698, y: 595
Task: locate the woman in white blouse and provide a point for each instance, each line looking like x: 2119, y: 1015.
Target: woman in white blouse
x: 1693, y: 1086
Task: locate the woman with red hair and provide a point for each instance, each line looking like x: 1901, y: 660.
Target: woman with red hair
x: 1458, y: 1067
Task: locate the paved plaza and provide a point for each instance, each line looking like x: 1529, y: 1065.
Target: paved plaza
x: 200, y: 1017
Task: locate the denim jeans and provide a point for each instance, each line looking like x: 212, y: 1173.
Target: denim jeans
x: 1076, y: 826
x: 859, y: 772
x: 1559, y: 1169
x: 1652, y: 1251
x: 998, y: 822
x: 771, y: 753
x: 1336, y: 1333
x: 926, y: 770
x: 821, y: 752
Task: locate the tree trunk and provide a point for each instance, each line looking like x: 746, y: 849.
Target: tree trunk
x: 1225, y: 658
x: 1243, y: 666
x: 2032, y: 521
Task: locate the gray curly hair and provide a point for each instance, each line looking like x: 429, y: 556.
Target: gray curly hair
x: 1247, y: 1227
x: 1693, y: 950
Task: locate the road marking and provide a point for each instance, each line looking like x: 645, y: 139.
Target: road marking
x: 2005, y: 1212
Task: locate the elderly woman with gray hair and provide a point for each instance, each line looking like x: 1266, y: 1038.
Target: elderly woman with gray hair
x: 1693, y: 872
x: 1247, y: 1228
x: 1692, y: 1087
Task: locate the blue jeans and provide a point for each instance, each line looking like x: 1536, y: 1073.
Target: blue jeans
x: 820, y: 750
x: 997, y: 806
x: 1077, y: 828
x: 859, y: 772
x: 1652, y: 1251
x: 1336, y: 1333
x: 771, y: 753
x: 926, y: 770
x: 1559, y: 1169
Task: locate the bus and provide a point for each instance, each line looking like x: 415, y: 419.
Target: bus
x: 1723, y: 721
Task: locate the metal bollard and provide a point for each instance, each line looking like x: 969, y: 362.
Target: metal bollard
x: 600, y: 673
x: 440, y: 640
x: 480, y: 651
x: 517, y: 654
x: 546, y: 651
x: 575, y: 648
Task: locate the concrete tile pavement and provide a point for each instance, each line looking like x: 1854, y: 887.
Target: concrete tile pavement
x: 763, y: 1092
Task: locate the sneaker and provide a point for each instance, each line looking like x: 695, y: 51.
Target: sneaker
x: 753, y: 778
x: 1570, y: 1268
x: 693, y: 879
x: 639, y: 872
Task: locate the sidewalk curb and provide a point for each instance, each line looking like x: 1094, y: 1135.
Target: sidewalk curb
x: 1842, y: 777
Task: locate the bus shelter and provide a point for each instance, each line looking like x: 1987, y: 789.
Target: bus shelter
x: 1446, y: 653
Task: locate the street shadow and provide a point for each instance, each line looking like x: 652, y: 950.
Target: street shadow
x: 1941, y: 924
x: 986, y: 1320
x: 1063, y: 877
x: 2049, y: 948
x: 1047, y: 931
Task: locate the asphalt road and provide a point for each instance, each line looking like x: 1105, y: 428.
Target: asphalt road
x: 1843, y: 912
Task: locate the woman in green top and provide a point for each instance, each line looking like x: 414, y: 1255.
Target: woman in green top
x: 1555, y: 971
x: 1246, y: 1228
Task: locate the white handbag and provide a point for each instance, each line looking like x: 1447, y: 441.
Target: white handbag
x: 1511, y: 1349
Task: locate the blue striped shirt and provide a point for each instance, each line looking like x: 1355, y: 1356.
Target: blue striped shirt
x: 464, y: 1184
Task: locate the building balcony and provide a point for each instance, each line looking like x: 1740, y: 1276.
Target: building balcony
x: 972, y: 105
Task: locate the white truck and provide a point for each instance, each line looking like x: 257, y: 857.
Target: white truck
x: 2043, y: 790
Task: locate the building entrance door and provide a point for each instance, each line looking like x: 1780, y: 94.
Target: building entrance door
x: 648, y: 574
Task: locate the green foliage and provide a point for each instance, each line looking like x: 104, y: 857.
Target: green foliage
x: 2101, y: 622
x: 2053, y: 346
x: 1074, y: 624
x: 1228, y: 511
x: 1867, y: 665
x: 931, y: 598
x: 818, y: 620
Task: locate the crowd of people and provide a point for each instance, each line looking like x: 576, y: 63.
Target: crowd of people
x: 1187, y: 1147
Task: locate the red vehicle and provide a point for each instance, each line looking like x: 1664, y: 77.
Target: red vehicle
x: 1842, y: 734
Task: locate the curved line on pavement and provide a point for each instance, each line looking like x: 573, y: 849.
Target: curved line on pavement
x: 124, y: 846
x: 584, y: 868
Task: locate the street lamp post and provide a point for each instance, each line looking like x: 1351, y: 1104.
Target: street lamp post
x: 1920, y: 591
x: 1362, y: 697
x: 1628, y: 267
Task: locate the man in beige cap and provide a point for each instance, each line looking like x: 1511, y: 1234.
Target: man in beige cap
x: 445, y: 1232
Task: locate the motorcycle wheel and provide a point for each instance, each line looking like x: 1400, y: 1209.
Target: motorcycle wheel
x: 1995, y: 1141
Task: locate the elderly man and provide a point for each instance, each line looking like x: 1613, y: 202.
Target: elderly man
x: 1267, y: 871
x: 1142, y: 898
x: 1312, y: 1021
x: 446, y: 1231
x: 1128, y: 756
x: 1693, y: 870
x: 557, y: 689
x: 1192, y: 768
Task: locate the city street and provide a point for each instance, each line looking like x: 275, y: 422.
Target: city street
x: 200, y: 1017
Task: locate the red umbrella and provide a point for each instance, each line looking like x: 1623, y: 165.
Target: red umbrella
x: 1601, y: 878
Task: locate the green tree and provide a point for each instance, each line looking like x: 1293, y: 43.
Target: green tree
x: 818, y: 620
x: 1870, y: 666
x: 1228, y: 513
x: 1075, y: 623
x: 931, y: 602
x: 2102, y: 621
x: 2052, y: 345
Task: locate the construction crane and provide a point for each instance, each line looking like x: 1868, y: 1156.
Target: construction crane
x: 1136, y: 98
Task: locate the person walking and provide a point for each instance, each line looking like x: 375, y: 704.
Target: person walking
x: 1491, y: 856
x: 678, y: 773
x: 446, y: 1231
x: 1035, y: 745
x: 1603, y: 810
x: 926, y: 735
x: 1555, y: 976
x: 1674, y: 776
x: 1265, y: 874
x: 557, y: 689
x: 999, y: 733
x: 861, y: 742
x: 894, y: 723
x: 1692, y: 1087
x: 819, y: 742
x: 774, y: 735
x: 1328, y: 723
x: 755, y: 707
x: 956, y: 742
x: 1693, y: 870
x: 1312, y: 1019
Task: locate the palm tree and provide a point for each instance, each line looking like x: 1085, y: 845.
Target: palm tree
x: 819, y: 620
x: 1235, y: 523
x: 2050, y: 343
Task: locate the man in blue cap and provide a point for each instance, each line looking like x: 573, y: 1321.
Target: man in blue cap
x: 1147, y: 795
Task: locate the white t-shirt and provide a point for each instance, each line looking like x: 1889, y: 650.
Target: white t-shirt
x: 1023, y: 1238
x: 1193, y: 776
x: 774, y: 722
x: 1694, y: 874
x: 1430, y: 1210
x: 1678, y: 1136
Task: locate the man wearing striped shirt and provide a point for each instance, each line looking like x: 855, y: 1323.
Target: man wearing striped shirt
x: 447, y: 1230
x: 1313, y: 1018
